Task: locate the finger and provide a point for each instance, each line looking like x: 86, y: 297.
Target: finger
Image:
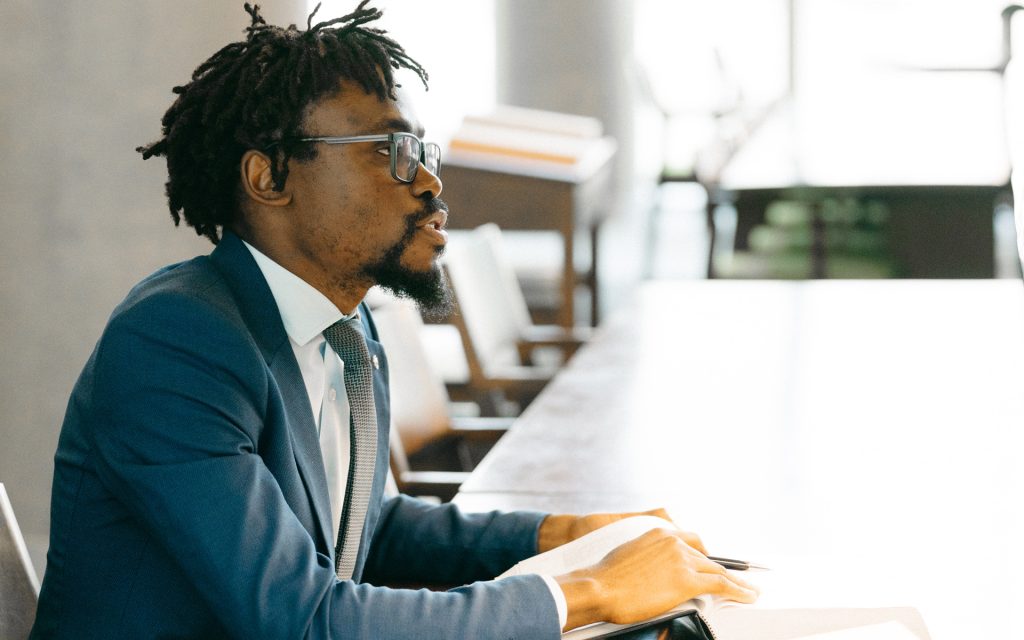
x: 692, y: 540
x: 726, y: 586
x: 704, y: 565
x: 657, y: 513
x: 743, y: 582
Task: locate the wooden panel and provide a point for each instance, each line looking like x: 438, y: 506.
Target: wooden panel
x: 512, y: 202
x: 519, y: 202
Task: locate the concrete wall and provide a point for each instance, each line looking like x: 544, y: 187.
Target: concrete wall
x: 82, y: 217
x: 571, y: 56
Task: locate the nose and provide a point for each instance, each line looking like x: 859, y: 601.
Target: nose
x: 426, y: 182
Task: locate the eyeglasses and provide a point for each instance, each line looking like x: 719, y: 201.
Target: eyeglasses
x: 407, y: 152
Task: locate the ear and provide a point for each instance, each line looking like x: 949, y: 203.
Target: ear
x: 258, y: 182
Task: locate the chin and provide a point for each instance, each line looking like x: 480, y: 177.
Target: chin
x: 428, y: 287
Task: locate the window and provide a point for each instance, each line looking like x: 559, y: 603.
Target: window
x: 454, y: 40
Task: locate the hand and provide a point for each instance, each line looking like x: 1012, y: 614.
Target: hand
x: 556, y: 530
x: 645, y: 577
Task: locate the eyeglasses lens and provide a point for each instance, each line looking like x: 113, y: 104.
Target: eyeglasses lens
x: 432, y: 158
x: 407, y: 159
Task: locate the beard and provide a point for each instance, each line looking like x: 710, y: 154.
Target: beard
x: 428, y: 289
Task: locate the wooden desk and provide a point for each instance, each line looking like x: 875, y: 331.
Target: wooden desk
x: 862, y: 438
x: 520, y: 199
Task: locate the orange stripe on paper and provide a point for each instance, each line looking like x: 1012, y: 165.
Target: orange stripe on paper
x: 516, y: 153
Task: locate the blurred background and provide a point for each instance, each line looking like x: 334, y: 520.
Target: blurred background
x: 748, y: 139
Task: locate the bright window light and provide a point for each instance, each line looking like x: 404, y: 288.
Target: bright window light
x: 454, y: 40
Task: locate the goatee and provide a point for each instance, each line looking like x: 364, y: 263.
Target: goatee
x: 429, y: 289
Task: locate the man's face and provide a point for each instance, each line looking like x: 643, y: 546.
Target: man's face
x: 352, y: 221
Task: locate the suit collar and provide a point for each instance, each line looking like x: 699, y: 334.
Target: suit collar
x: 263, y: 319
x: 305, y: 311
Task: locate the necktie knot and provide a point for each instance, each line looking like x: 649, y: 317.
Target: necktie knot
x: 346, y: 338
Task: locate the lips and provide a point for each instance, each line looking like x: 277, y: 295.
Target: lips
x: 436, y: 220
x: 434, y: 225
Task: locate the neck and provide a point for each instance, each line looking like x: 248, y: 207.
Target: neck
x: 345, y: 291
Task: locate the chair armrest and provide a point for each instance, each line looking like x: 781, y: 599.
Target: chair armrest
x: 555, y: 334
x: 565, y: 340
x: 518, y: 375
x: 480, y: 429
x: 443, y: 484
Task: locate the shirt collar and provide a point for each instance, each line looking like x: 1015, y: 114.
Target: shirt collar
x: 305, y: 312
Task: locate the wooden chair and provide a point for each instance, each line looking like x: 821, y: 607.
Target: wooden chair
x: 731, y: 122
x: 501, y: 343
x: 432, y: 452
x: 19, y: 587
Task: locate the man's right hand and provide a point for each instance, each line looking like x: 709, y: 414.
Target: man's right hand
x: 645, y: 577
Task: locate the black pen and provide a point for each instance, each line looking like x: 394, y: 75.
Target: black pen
x: 736, y: 565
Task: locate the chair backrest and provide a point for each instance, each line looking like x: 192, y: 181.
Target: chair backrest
x: 419, y: 400
x: 1013, y: 87
x: 19, y: 587
x: 491, y: 302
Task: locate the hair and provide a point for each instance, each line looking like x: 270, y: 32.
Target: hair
x: 253, y: 95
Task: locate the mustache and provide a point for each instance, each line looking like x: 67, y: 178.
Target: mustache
x: 429, y: 208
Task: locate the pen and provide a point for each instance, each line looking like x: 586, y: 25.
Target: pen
x: 736, y: 565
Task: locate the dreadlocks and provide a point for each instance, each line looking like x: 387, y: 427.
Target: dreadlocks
x: 252, y: 95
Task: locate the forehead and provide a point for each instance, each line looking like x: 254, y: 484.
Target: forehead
x: 352, y: 111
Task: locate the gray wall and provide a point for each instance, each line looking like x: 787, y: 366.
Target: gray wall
x: 570, y: 56
x: 82, y: 217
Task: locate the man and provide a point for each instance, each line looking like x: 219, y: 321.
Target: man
x: 221, y: 467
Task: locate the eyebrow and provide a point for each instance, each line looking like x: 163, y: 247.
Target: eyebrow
x: 398, y: 124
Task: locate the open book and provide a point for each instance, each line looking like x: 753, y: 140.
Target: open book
x: 727, y: 620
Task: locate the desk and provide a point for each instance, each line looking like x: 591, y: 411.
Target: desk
x: 939, y: 165
x: 862, y: 436
x: 520, y: 199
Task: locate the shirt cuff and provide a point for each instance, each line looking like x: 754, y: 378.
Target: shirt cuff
x: 560, y: 603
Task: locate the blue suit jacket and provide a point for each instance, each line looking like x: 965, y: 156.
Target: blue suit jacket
x: 190, y: 500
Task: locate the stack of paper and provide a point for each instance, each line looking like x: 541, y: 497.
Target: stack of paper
x: 531, y: 142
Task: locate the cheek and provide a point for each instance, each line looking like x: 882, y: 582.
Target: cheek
x: 381, y: 219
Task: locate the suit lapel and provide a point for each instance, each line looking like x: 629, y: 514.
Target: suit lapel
x: 258, y: 309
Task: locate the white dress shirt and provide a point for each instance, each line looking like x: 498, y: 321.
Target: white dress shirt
x: 305, y: 313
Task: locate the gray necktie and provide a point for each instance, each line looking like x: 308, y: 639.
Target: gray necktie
x: 346, y: 338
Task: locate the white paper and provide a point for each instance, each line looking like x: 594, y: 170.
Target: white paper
x: 884, y: 631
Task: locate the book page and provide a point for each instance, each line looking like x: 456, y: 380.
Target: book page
x: 884, y: 631
x: 589, y: 549
x: 803, y: 624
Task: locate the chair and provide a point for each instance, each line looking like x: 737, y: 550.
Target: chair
x: 503, y: 347
x: 718, y: 130
x: 432, y: 452
x: 19, y: 587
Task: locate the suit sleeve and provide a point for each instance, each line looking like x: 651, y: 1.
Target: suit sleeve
x: 182, y: 394
x: 417, y: 541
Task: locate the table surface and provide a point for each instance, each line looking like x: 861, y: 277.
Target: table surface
x: 862, y: 438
